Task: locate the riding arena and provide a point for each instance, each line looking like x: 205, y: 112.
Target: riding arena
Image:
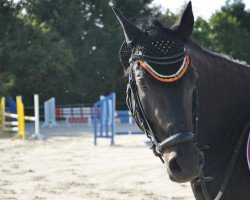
x: 166, y: 118
x: 63, y: 162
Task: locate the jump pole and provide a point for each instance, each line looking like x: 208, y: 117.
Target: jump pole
x: 37, y: 133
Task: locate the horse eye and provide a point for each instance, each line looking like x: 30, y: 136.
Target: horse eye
x: 141, y: 83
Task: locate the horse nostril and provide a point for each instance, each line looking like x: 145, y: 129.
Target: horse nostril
x: 174, y: 166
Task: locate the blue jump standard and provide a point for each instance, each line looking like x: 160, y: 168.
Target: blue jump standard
x: 104, y: 119
x: 106, y: 108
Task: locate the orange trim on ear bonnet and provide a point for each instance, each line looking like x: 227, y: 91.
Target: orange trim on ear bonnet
x: 171, y: 78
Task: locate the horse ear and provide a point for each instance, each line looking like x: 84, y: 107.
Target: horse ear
x: 184, y: 25
x: 131, y: 32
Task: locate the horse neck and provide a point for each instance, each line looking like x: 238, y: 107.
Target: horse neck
x: 223, y: 87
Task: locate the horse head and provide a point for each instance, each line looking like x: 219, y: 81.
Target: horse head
x: 161, y: 91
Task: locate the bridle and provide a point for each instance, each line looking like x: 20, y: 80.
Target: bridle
x: 158, y: 147
x: 135, y: 106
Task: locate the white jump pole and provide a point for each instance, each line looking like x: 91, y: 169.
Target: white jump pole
x: 37, y: 121
x: 36, y: 100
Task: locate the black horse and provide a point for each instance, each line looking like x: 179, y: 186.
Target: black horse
x: 172, y: 82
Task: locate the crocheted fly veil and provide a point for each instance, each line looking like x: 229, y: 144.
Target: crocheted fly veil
x: 154, y: 47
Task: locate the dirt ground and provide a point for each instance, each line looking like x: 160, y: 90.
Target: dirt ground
x: 67, y: 166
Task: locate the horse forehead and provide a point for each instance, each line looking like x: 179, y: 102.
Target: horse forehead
x: 159, y: 44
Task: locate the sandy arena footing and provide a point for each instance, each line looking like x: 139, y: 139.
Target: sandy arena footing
x: 67, y: 166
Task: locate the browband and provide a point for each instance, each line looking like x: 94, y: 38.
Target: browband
x: 167, y: 78
x: 159, y: 60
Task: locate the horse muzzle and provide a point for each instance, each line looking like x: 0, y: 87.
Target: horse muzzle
x: 183, y: 159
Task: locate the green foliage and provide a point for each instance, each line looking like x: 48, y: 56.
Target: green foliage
x: 94, y: 35
x: 227, y: 31
x: 229, y: 36
x: 203, y: 33
x: 32, y: 58
x: 69, y: 49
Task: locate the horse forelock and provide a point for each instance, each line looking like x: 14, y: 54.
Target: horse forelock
x: 146, y: 24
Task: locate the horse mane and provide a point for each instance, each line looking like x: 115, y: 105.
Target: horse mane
x: 235, y: 70
x: 217, y: 56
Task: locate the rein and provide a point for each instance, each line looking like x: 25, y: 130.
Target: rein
x: 202, y: 179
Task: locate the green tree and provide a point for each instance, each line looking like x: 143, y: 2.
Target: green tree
x: 203, y: 33
x: 91, y: 30
x: 227, y: 31
x: 229, y: 36
x: 32, y: 58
